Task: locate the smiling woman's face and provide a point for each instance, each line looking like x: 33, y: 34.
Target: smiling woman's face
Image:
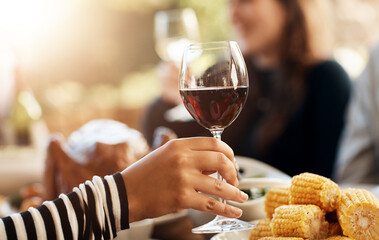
x: 259, y: 24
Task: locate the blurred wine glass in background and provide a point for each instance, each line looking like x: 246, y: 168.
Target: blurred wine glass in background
x: 173, y: 30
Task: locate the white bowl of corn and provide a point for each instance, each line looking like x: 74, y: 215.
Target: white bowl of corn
x: 256, y: 189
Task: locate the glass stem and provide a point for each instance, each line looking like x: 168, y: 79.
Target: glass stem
x: 217, y: 134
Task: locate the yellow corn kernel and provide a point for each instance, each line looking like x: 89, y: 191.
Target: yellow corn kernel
x: 338, y: 237
x: 281, y: 238
x: 358, y: 214
x: 263, y: 229
x: 305, y: 221
x: 309, y: 188
x: 276, y: 197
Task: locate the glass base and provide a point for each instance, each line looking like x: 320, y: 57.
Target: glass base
x: 222, y: 224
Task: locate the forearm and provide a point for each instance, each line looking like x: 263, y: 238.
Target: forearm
x: 97, y: 208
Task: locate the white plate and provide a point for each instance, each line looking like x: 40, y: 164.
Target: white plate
x: 247, y: 183
x: 240, y: 235
x: 254, y: 209
x: 254, y: 168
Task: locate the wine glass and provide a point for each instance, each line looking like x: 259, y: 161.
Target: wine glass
x: 173, y: 30
x: 213, y: 85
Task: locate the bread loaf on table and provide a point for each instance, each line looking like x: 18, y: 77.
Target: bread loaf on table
x: 100, y: 147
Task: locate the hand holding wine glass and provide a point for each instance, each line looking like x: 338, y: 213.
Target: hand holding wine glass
x: 213, y: 84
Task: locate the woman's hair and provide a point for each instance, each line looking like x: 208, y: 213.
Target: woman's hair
x: 305, y: 41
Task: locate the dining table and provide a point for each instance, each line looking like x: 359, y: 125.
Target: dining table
x: 179, y: 228
x: 22, y: 166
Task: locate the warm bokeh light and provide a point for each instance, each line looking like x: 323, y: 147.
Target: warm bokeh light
x: 23, y: 22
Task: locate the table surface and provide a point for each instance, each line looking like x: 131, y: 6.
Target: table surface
x: 22, y: 166
x: 177, y: 229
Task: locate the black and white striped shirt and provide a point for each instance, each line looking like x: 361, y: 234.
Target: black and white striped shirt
x: 94, y: 210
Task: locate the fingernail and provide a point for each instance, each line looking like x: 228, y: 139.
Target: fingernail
x: 244, y: 196
x: 236, y: 212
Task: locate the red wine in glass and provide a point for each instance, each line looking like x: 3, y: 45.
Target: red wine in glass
x: 214, y: 107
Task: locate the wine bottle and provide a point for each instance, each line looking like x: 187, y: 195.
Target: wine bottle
x: 25, y: 126
x: 25, y: 112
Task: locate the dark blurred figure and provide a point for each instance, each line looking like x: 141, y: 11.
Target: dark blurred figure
x: 294, y: 115
x: 358, y: 158
x: 168, y: 111
x: 294, y: 112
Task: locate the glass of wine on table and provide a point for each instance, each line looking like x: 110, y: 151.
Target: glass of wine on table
x: 213, y: 84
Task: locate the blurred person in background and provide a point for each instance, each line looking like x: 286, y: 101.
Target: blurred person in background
x: 358, y: 156
x: 158, y: 114
x: 293, y: 116
x: 298, y: 95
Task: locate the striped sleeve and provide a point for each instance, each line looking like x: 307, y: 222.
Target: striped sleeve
x: 97, y: 208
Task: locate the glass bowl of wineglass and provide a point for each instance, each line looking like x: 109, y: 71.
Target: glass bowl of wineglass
x: 213, y: 84
x: 173, y: 30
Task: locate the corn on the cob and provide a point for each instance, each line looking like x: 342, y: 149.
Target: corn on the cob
x: 305, y: 221
x: 276, y: 197
x: 263, y: 229
x: 338, y: 237
x: 281, y: 238
x: 309, y: 188
x: 358, y: 214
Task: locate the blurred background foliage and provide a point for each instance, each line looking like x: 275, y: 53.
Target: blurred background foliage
x: 87, y: 59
